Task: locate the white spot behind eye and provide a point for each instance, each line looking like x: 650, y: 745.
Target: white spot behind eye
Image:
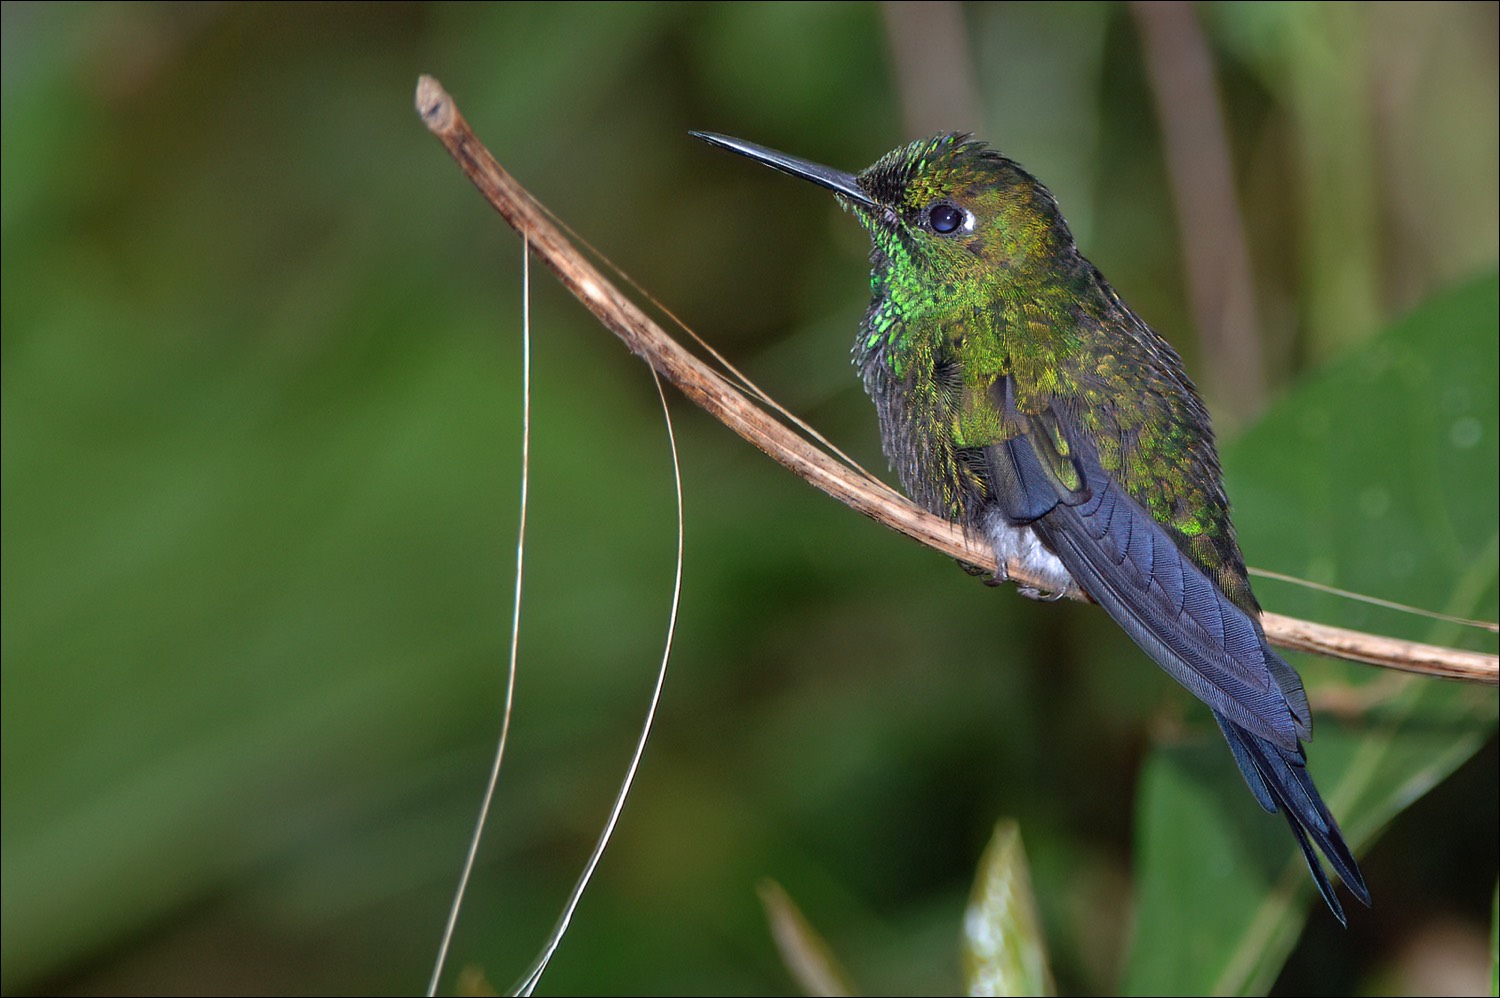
x: 947, y: 219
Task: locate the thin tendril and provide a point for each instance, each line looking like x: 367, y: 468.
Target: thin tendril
x: 515, y: 623
x: 751, y: 387
x: 1376, y: 600
x: 534, y: 974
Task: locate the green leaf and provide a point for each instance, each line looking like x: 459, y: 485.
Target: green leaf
x: 1004, y: 952
x: 1378, y: 475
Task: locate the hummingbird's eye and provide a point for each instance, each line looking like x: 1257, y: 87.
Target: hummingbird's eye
x: 946, y: 218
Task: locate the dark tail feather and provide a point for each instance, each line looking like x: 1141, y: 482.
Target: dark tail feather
x: 1280, y: 781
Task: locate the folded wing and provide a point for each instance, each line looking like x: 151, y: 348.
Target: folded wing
x: 1128, y: 563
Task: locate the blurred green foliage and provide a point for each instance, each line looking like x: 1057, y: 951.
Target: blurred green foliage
x: 260, y: 443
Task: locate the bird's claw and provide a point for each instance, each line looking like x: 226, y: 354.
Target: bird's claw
x: 1041, y: 595
x: 1035, y: 592
x: 983, y: 574
x: 1001, y: 575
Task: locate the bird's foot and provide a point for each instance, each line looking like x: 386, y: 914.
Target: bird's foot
x: 983, y: 574
x: 1042, y: 595
x: 1002, y: 575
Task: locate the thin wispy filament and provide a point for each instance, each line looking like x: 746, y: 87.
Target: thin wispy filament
x: 515, y: 624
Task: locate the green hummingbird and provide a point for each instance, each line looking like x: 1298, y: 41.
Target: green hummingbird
x: 1020, y: 397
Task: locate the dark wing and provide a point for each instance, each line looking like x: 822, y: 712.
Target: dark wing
x: 1049, y: 477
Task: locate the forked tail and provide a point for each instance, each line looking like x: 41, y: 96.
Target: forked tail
x: 1280, y: 781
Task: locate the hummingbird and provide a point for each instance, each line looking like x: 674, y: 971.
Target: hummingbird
x: 1019, y: 397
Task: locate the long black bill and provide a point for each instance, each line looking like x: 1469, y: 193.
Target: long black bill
x: 841, y: 183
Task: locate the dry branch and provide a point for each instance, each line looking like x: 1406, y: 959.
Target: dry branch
x: 727, y: 403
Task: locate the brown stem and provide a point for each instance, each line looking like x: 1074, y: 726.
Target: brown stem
x: 931, y: 57
x: 1214, y: 248
x: 726, y: 403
